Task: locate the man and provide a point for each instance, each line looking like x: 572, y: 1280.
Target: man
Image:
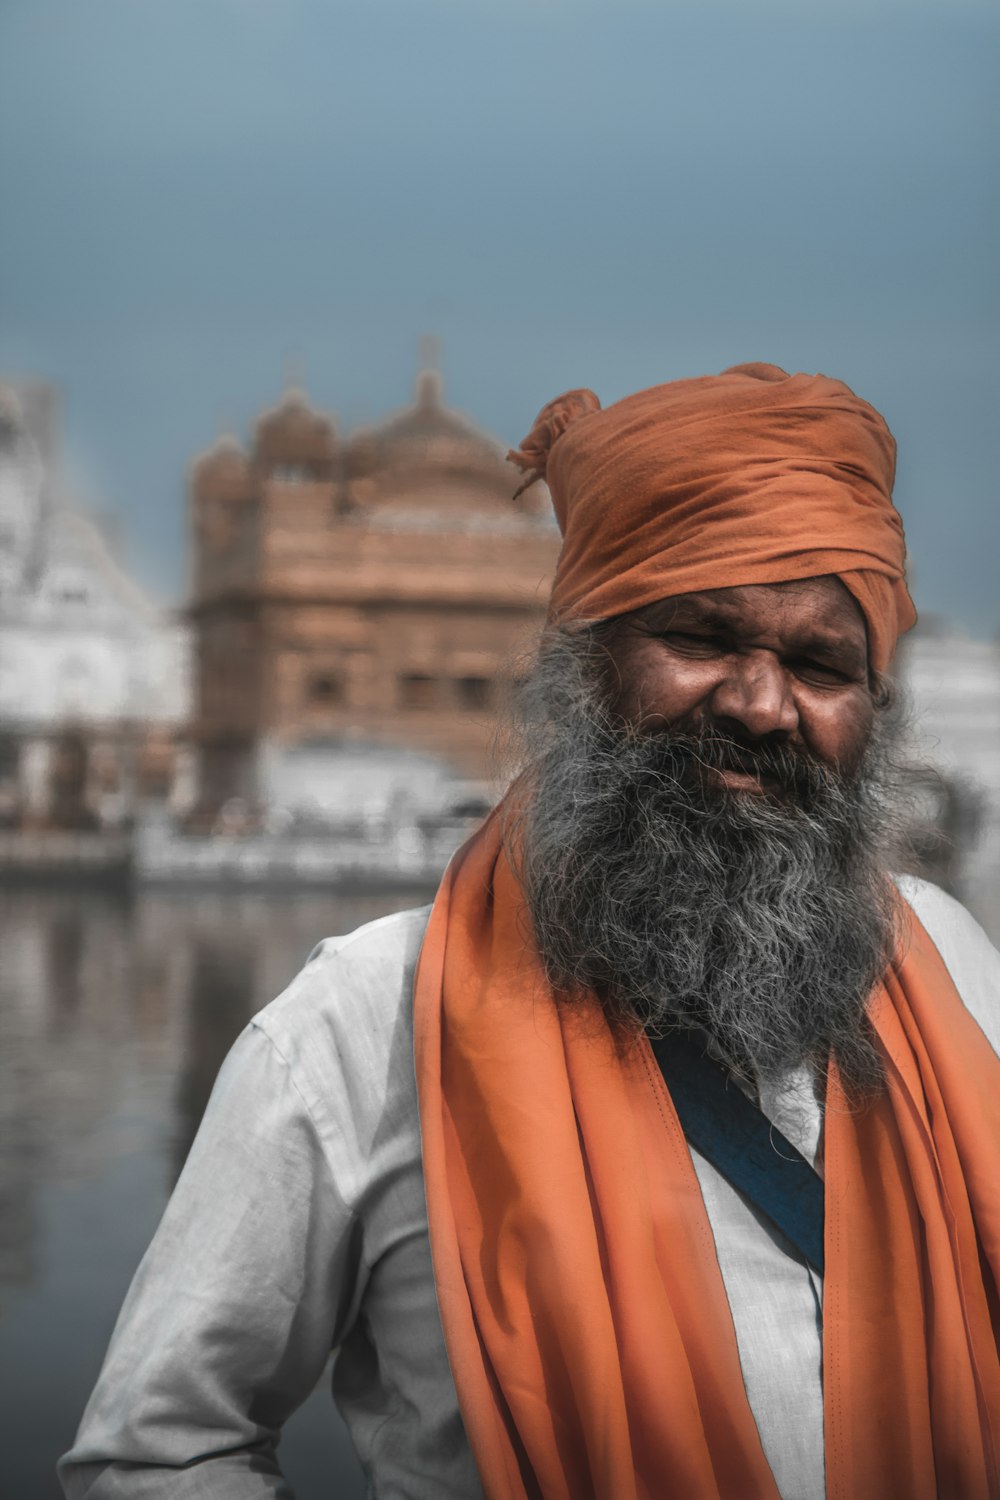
x: 537, y: 1285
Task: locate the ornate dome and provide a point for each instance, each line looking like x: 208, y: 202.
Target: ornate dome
x: 293, y: 438
x: 428, y: 426
x: 223, y: 470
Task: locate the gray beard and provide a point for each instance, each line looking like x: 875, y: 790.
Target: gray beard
x: 763, y: 919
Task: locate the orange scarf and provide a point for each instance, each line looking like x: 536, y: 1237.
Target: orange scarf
x: 584, y: 1311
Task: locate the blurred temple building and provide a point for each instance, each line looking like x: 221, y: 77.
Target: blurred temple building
x: 360, y: 604
x: 952, y: 686
x: 93, y: 676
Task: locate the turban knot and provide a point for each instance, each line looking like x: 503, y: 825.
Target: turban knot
x: 751, y: 476
x: 552, y: 421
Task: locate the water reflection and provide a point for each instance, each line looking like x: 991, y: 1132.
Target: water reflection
x: 216, y: 1011
x: 115, y: 1014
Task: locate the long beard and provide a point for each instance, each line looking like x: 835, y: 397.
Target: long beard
x: 763, y: 918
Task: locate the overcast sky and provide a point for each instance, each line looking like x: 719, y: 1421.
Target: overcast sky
x: 199, y: 195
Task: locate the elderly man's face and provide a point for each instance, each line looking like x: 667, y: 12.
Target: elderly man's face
x: 783, y: 663
x: 712, y: 852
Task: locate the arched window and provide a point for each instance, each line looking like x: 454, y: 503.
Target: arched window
x: 473, y: 692
x: 417, y: 690
x: 326, y: 689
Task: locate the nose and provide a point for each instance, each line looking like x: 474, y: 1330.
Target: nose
x: 755, y: 695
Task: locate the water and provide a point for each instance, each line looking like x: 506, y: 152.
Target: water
x: 115, y: 1013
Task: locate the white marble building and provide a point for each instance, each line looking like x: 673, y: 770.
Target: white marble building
x: 84, y: 653
x: 952, y: 683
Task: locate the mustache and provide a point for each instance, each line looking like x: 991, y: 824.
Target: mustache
x: 686, y: 759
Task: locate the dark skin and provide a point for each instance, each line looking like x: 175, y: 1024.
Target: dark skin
x: 782, y: 663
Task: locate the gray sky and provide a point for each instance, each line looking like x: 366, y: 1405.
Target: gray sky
x: 197, y: 193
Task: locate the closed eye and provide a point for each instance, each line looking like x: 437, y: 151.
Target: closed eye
x: 824, y: 672
x: 693, y: 644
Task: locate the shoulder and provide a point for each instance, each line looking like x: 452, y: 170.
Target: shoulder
x: 970, y: 957
x: 344, y: 1029
x: 349, y: 985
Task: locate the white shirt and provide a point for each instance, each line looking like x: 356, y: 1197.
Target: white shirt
x: 299, y: 1225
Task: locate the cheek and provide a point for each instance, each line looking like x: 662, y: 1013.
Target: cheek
x: 841, y: 731
x: 645, y: 687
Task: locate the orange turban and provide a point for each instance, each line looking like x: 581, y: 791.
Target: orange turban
x: 751, y: 476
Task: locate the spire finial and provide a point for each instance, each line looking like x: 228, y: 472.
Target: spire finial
x: 429, y: 375
x: 430, y: 352
x: 295, y: 376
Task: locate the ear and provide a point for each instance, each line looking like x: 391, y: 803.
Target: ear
x: 882, y: 688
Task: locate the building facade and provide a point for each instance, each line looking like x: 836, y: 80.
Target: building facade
x: 360, y: 605
x: 952, y: 686
x: 94, y: 683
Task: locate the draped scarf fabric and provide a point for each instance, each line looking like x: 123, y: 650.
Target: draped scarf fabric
x: 584, y: 1311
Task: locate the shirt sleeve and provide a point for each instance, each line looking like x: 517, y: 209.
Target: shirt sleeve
x: 252, y: 1277
x: 969, y: 956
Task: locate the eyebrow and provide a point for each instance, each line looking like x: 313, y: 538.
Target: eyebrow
x: 714, y: 615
